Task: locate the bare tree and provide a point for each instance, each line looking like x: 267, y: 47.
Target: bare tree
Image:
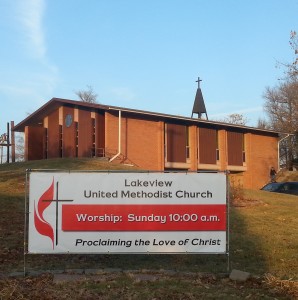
x: 263, y: 124
x: 281, y: 106
x: 235, y: 118
x: 292, y: 67
x: 87, y: 95
x: 20, y: 147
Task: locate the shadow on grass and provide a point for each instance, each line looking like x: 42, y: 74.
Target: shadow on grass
x: 245, y: 250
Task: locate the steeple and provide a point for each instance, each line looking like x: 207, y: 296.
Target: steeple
x: 199, y: 104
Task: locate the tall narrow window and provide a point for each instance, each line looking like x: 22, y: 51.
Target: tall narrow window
x: 93, y: 149
x: 217, y: 146
x: 60, y: 140
x: 46, y: 144
x: 243, y: 148
x: 165, y: 141
x: 207, y: 146
x: 187, y: 143
x: 176, y: 143
x: 77, y: 138
x: 235, y: 148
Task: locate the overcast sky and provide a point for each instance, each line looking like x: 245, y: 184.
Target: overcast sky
x: 143, y: 54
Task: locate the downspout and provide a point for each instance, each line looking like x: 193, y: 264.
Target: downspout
x: 119, y: 138
x: 278, y: 156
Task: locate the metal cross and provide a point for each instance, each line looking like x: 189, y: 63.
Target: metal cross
x: 198, y: 81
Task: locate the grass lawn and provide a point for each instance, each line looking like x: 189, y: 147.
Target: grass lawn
x: 271, y: 235
x: 263, y: 241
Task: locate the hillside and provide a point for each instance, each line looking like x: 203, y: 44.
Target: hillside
x: 66, y: 164
x: 263, y: 240
x: 287, y: 176
x: 12, y: 176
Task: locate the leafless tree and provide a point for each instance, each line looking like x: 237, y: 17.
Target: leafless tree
x: 263, y: 124
x: 291, y: 69
x: 281, y: 106
x: 87, y: 95
x: 19, y: 147
x: 235, y: 118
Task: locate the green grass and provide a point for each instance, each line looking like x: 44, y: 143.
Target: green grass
x: 263, y: 232
x: 263, y: 240
x: 268, y: 236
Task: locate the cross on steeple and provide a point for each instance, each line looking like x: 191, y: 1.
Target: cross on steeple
x: 199, y: 104
x: 198, y: 81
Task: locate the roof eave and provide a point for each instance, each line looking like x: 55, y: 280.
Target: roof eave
x: 54, y: 103
x: 39, y: 114
x: 193, y: 120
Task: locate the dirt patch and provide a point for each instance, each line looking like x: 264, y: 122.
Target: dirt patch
x: 246, y: 202
x: 144, y: 286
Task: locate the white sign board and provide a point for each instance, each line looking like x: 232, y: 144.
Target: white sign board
x: 127, y: 212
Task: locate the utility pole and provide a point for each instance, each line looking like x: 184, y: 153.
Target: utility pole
x: 13, y: 144
x: 7, y: 143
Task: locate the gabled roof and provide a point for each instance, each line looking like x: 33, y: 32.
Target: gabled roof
x: 37, y: 117
x: 49, y: 107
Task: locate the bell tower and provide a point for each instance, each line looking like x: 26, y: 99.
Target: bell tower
x: 199, y: 104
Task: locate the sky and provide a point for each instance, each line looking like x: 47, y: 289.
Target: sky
x: 144, y: 54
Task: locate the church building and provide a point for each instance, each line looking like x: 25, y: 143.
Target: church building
x: 149, y: 140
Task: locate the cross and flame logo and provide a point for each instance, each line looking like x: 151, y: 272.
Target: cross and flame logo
x: 42, y: 226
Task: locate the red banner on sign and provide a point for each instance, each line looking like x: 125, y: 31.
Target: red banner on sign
x: 143, y: 217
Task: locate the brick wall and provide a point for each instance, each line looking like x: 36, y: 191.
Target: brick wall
x: 68, y: 133
x: 85, y: 133
x: 34, y: 143
x: 261, y: 155
x: 141, y: 140
x: 143, y: 143
x: 53, y: 135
